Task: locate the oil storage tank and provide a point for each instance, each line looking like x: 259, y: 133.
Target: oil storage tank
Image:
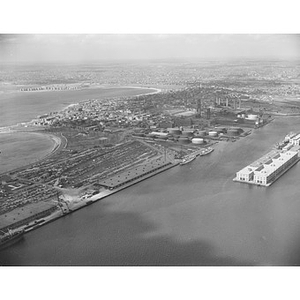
x: 252, y: 117
x: 163, y: 137
x: 202, y: 133
x: 213, y: 133
x: 240, y: 130
x: 184, y: 140
x: 220, y: 129
x: 198, y: 141
x: 187, y: 133
x: 174, y: 131
x: 232, y: 132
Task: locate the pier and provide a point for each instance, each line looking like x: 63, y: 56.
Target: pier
x: 270, y: 167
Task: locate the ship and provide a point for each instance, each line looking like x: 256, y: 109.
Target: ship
x: 9, y: 238
x: 33, y: 225
x: 187, y: 159
x: 206, y: 151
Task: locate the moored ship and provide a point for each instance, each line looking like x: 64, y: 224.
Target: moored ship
x: 206, y: 151
x: 33, y: 225
x: 9, y: 238
x: 187, y: 160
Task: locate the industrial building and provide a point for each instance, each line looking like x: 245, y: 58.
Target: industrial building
x: 137, y: 173
x: 295, y: 140
x: 269, y: 168
x: 26, y: 214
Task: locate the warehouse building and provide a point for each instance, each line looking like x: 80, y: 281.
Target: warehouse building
x: 26, y: 214
x: 295, y: 140
x: 268, y: 168
x: 134, y: 174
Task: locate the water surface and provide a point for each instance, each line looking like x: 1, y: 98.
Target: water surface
x: 24, y: 106
x: 22, y: 148
x: 189, y: 215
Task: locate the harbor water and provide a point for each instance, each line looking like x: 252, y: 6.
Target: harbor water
x: 189, y: 215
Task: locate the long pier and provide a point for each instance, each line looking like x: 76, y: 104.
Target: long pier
x: 97, y: 197
x: 276, y: 177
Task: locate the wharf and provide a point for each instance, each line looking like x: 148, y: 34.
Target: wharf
x: 103, y: 194
x: 270, y: 183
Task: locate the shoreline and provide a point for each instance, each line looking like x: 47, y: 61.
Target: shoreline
x: 27, y: 123
x: 77, y: 205
x: 157, y: 91
x: 57, y: 143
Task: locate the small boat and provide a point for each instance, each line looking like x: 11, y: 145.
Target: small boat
x: 207, y: 151
x: 9, y: 238
x: 187, y: 160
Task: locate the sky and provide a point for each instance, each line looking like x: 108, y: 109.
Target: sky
x: 93, y: 47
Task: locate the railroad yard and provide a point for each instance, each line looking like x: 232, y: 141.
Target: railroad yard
x: 71, y: 169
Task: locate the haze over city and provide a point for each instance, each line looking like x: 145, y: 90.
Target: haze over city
x: 89, y: 47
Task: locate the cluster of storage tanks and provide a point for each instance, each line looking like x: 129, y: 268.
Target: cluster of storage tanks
x: 185, y: 136
x: 175, y: 134
x: 192, y: 136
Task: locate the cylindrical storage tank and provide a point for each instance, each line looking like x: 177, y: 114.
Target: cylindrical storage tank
x: 183, y: 140
x: 163, y: 137
x: 187, y: 133
x: 139, y: 134
x: 197, y: 141
x: 240, y: 130
x: 252, y: 117
x: 202, y: 133
x: 174, y: 131
x: 220, y: 129
x: 213, y: 133
x: 232, y: 132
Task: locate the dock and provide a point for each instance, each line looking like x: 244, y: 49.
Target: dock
x: 269, y: 168
x: 39, y: 217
